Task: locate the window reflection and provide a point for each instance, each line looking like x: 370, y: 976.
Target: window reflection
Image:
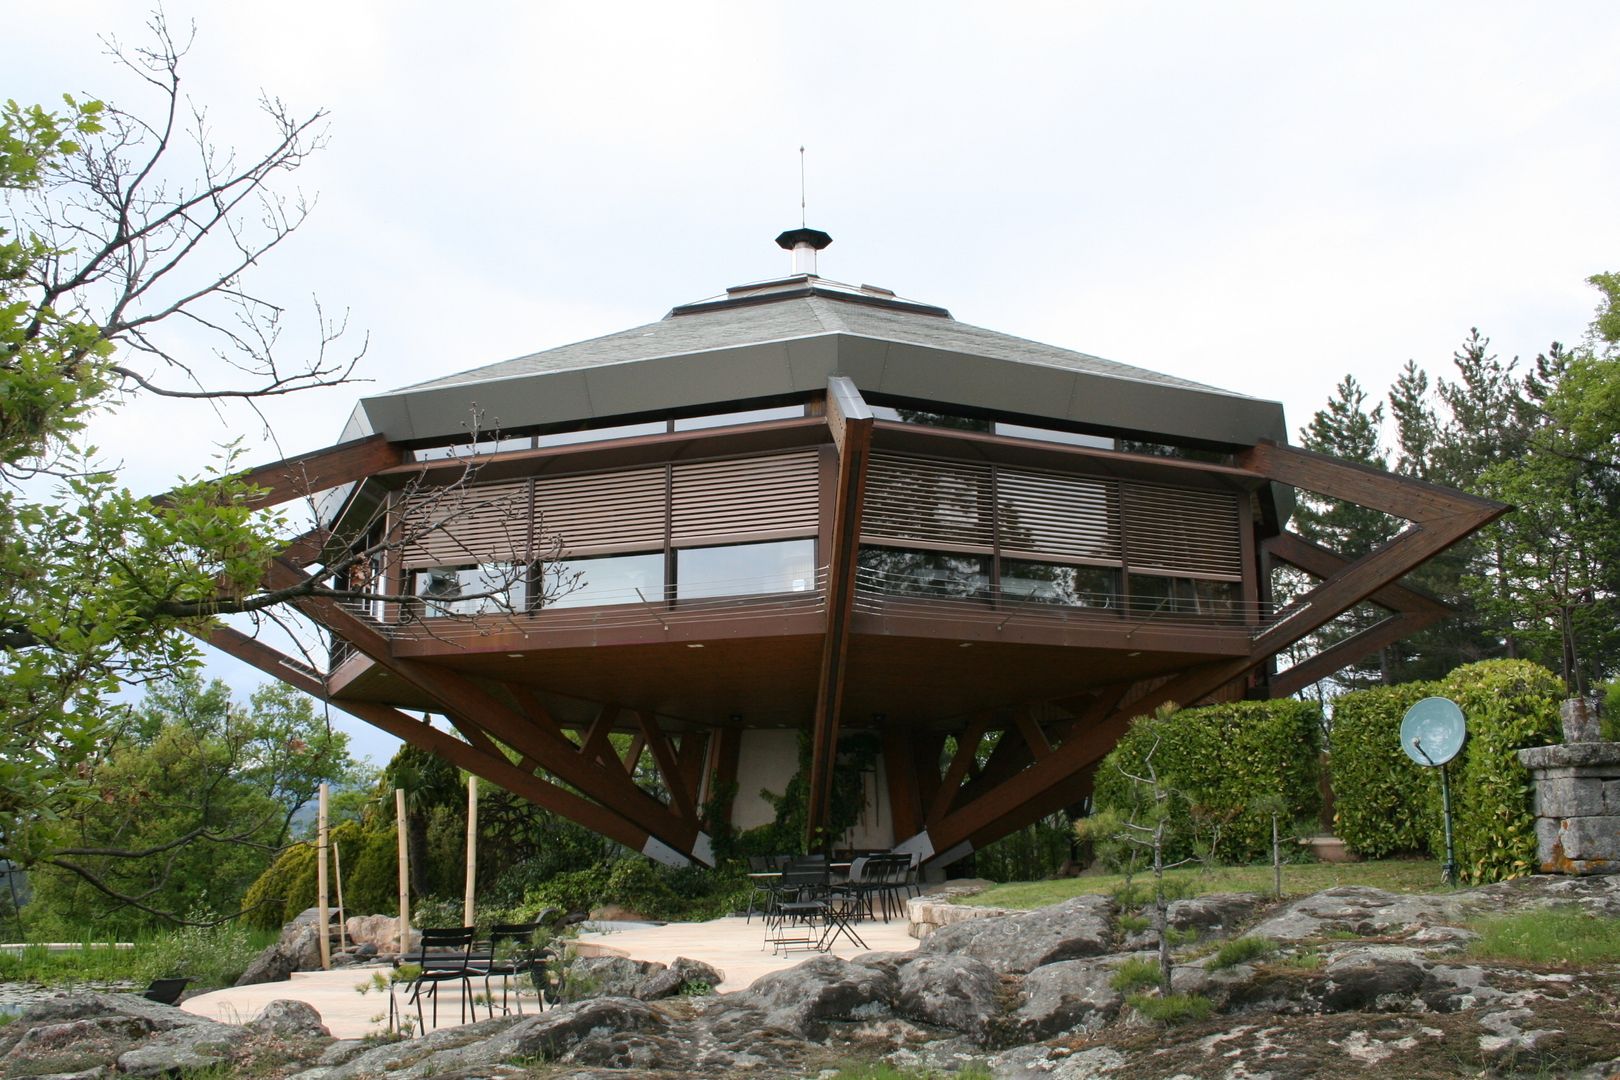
x: 746, y: 569
x: 1069, y: 438
x: 924, y: 573
x: 621, y: 431
x: 750, y: 416
x: 1055, y: 583
x: 606, y: 579
x: 471, y: 590
x: 1152, y: 594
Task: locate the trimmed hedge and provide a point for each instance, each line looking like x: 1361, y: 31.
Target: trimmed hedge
x: 1510, y: 705
x: 1386, y: 803
x: 1381, y: 797
x: 370, y: 878
x: 1235, y: 763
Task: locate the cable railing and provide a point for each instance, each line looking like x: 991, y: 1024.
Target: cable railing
x: 591, y: 608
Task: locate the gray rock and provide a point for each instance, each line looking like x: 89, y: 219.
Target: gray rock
x: 1014, y: 944
x: 801, y: 999
x: 951, y: 991
x: 1067, y: 995
x: 606, y: 976
x: 77, y: 1006
x: 48, y: 1037
x: 1374, y: 978
x: 178, y: 1050
x: 298, y: 949
x: 1358, y: 910
x: 284, y: 1017
x: 1049, y: 1063
x: 431, y: 1054
x: 683, y: 975
x: 343, y: 1050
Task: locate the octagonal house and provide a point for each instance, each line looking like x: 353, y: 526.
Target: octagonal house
x: 807, y: 526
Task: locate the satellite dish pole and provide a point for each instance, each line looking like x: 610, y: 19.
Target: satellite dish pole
x: 1441, y: 723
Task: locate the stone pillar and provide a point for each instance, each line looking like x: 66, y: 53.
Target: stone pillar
x: 1577, y: 796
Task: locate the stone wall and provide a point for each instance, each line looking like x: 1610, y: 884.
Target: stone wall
x: 1577, y: 797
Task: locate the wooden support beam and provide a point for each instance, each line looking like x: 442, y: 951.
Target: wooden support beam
x: 850, y: 422
x: 1034, y: 737
x: 459, y: 696
x: 689, y: 759
x: 900, y: 769
x: 725, y: 754
x: 595, y: 745
x: 304, y: 475
x: 669, y: 769
x: 632, y: 756
x: 967, y: 745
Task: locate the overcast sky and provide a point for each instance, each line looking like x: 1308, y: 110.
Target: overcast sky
x: 1262, y: 197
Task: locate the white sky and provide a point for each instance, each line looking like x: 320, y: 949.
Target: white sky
x: 1260, y: 196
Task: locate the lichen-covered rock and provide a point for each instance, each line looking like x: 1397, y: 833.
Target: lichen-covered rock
x: 801, y: 999
x: 289, y: 1018
x: 1064, y: 996
x: 683, y: 976
x: 1357, y: 909
x: 950, y: 991
x: 1014, y: 944
x: 606, y: 976
x: 184, y: 1049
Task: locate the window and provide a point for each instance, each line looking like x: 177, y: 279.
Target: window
x: 609, y: 579
x: 1154, y: 595
x: 1055, y: 583
x: 1070, y: 438
x: 621, y: 431
x: 905, y: 572
x: 745, y: 569
x: 471, y: 590
x: 750, y: 416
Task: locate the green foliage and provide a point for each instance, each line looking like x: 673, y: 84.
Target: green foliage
x: 1228, y: 760
x: 1137, y: 973
x: 213, y: 956
x: 1386, y: 803
x: 1172, y: 1008
x: 1566, y: 936
x: 1241, y: 951
x: 1381, y: 797
x: 655, y: 891
x: 857, y: 754
x: 1036, y: 851
x: 285, y: 888
x: 1510, y: 705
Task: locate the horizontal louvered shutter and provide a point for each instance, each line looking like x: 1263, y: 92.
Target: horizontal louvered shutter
x: 1044, y: 515
x: 924, y: 502
x: 602, y: 512
x: 752, y: 499
x: 1183, y: 532
x: 472, y: 524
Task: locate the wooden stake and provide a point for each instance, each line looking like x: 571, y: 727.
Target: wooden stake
x: 404, y: 874
x: 321, y: 839
x: 467, y: 912
x: 337, y: 879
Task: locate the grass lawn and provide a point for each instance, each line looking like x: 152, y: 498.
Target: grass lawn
x: 1395, y: 875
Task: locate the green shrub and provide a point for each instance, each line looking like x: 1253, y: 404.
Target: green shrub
x: 1137, y: 973
x: 1510, y: 705
x: 1380, y: 796
x: 283, y: 890
x: 1231, y: 762
x: 1241, y: 951
x: 1172, y: 1008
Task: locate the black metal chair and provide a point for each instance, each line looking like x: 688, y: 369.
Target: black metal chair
x: 512, y: 954
x: 446, y: 956
x: 798, y: 902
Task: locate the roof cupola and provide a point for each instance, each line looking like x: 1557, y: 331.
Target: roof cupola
x: 803, y: 243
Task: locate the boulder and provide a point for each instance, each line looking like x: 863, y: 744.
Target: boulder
x: 606, y: 976
x: 1015, y: 944
x: 801, y: 999
x: 683, y: 976
x: 948, y: 990
x: 298, y: 949
x: 184, y: 1049
x: 1064, y: 996
x: 1357, y: 909
x: 289, y: 1018
x: 381, y: 932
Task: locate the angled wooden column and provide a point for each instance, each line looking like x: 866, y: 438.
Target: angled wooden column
x: 850, y: 422
x: 900, y: 770
x: 329, y: 467
x: 459, y: 696
x: 476, y: 755
x: 967, y: 746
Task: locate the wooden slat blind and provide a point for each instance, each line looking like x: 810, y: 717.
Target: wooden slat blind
x: 913, y: 501
x: 1181, y: 531
x: 751, y: 499
x: 603, y: 512
x: 1043, y: 515
x: 482, y: 523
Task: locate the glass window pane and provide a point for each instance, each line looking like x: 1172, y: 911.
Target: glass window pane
x: 608, y: 579
x: 751, y: 416
x: 1070, y: 438
x: 924, y: 573
x: 622, y: 431
x: 745, y: 569
x: 471, y: 590
x: 1154, y: 595
x: 1055, y: 583
x: 486, y: 446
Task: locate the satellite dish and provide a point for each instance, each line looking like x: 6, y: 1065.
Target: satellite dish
x: 1432, y: 731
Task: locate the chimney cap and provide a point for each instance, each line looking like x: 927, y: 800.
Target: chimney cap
x: 794, y: 237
